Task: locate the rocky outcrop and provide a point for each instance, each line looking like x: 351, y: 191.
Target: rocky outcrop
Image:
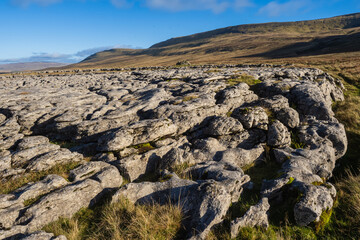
x: 137, y: 123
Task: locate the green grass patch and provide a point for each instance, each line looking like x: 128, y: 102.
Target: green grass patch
x: 243, y: 78
x: 30, y: 201
x: 270, y: 114
x: 324, y: 220
x: 11, y: 184
x: 65, y: 144
x: 291, y: 180
x: 144, y: 147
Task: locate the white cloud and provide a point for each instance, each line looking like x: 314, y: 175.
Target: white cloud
x: 275, y: 8
x: 62, y: 58
x: 41, y: 57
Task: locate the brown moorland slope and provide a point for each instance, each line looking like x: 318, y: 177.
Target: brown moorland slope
x: 324, y: 38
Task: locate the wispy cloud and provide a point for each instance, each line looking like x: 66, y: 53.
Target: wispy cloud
x: 62, y: 58
x: 120, y: 3
x: 243, y: 3
x: 274, y: 8
x: 25, y: 3
x: 215, y: 6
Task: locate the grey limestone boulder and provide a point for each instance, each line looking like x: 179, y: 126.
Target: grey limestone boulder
x: 87, y: 170
x: 278, y: 135
x: 314, y: 132
x: 9, y: 214
x: 315, y: 201
x: 22, y: 157
x: 137, y: 133
x: 288, y: 116
x: 41, y: 235
x: 10, y: 142
x: 275, y: 102
x: 9, y: 127
x: 109, y: 178
x: 222, y: 126
x: 30, y: 142
x: 48, y: 160
x: 2, y: 118
x: 311, y: 101
x: 5, y: 160
x: 256, y: 216
x: 235, y: 96
x: 62, y: 203
x: 106, y: 174
x: 241, y: 157
x: 252, y: 117
x: 32, y: 190
x: 232, y: 177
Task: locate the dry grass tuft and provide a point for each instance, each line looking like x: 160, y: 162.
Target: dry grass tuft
x: 348, y: 113
x: 349, y: 200
x: 122, y: 220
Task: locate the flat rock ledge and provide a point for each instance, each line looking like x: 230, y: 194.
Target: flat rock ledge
x: 196, y: 128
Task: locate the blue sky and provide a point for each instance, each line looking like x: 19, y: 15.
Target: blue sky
x: 70, y: 30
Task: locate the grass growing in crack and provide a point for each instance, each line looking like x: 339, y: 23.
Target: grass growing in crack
x: 65, y: 144
x: 295, y: 141
x: 30, y: 201
x: 189, y: 98
x: 270, y: 114
x: 12, y: 184
x: 121, y: 220
x: 243, y: 78
x: 144, y: 147
x: 180, y: 170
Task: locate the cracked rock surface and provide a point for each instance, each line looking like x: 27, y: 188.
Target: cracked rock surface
x: 192, y: 128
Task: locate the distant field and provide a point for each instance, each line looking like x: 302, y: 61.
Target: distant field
x: 28, y: 66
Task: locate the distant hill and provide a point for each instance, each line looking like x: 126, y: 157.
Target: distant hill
x: 27, y: 66
x: 336, y: 35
